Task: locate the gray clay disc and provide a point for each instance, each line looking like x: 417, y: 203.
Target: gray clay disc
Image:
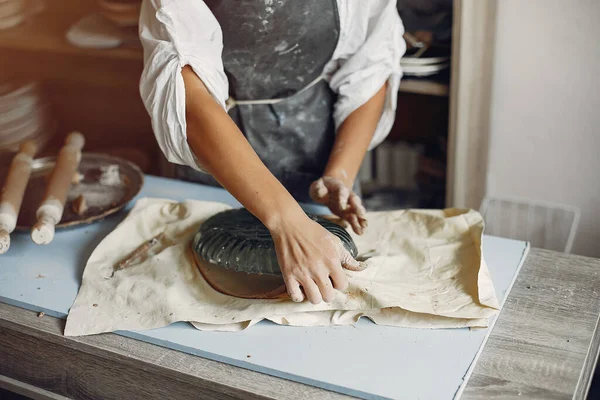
x: 237, y: 240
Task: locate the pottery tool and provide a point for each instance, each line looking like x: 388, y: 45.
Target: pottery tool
x: 51, y: 209
x: 13, y: 191
x: 140, y: 252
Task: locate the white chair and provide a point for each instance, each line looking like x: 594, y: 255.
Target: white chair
x: 545, y: 225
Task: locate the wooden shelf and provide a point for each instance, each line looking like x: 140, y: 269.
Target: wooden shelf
x: 420, y: 86
x: 46, y: 32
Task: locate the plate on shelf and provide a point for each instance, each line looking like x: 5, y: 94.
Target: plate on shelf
x: 424, y: 70
x: 426, y: 56
x: 106, y: 183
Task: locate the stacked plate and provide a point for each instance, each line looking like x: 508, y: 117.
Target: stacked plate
x: 115, y: 25
x: 124, y: 13
x: 24, y: 114
x: 15, y: 12
x: 423, y: 58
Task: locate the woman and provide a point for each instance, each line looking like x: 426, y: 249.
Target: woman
x: 277, y: 101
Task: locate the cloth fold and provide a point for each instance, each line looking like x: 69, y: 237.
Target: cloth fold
x: 425, y: 270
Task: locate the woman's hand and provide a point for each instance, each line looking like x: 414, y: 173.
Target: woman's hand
x: 342, y: 201
x: 312, y: 258
x: 351, y: 143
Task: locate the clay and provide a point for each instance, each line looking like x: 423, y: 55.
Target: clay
x: 241, y: 284
x: 77, y: 178
x: 110, y: 175
x: 238, y: 241
x: 79, y: 205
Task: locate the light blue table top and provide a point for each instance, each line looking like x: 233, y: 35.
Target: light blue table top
x: 367, y: 360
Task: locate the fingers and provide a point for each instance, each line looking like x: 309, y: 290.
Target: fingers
x: 330, y: 191
x: 350, y: 263
x: 339, y: 279
x: 363, y: 223
x: 354, y: 222
x: 312, y: 260
x: 317, y: 289
x: 322, y: 288
x: 356, y: 204
x: 318, y: 191
x: 338, y: 194
x: 326, y: 288
x: 359, y: 210
x: 341, y: 200
x: 293, y: 289
x: 354, y: 265
x: 312, y: 291
x: 342, y: 197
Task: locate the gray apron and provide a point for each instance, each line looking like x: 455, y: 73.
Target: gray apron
x: 274, y: 49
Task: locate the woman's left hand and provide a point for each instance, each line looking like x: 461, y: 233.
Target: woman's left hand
x: 343, y: 202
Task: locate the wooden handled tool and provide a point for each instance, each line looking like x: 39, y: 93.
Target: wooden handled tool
x: 50, y: 211
x: 140, y: 252
x: 13, y: 191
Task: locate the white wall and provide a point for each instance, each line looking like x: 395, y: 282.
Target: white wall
x: 545, y: 117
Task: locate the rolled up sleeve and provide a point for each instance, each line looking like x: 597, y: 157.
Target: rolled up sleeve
x: 176, y: 33
x: 367, y: 57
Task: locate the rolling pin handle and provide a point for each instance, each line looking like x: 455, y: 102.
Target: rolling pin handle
x: 13, y: 191
x: 43, y: 231
x: 75, y: 139
x: 29, y: 148
x: 4, y: 241
x: 50, y: 211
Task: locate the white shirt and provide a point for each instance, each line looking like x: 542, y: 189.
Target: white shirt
x: 176, y: 33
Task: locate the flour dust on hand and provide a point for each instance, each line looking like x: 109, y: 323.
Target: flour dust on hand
x: 343, y: 202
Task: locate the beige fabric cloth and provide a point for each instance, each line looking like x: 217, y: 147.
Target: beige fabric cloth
x: 425, y: 270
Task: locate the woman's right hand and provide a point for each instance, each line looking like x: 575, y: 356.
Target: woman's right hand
x: 311, y: 258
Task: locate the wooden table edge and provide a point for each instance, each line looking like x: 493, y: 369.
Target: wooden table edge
x: 222, y: 381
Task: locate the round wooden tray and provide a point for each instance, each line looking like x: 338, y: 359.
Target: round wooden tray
x: 102, y: 198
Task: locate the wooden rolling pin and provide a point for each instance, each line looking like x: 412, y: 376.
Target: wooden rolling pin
x: 13, y: 191
x: 51, y: 210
